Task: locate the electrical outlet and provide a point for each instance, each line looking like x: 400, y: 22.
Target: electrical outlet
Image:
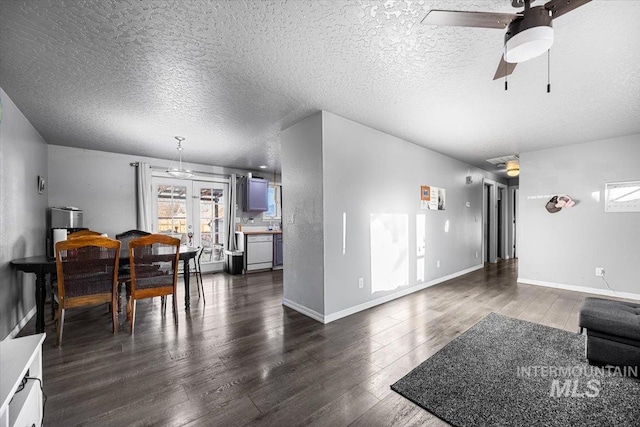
x: 599, y: 271
x: 438, y: 263
x: 361, y: 283
x: 291, y: 219
x: 476, y: 254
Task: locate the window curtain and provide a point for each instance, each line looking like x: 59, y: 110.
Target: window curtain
x: 144, y: 191
x: 231, y: 210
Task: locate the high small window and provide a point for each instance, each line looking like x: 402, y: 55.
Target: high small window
x: 274, y: 203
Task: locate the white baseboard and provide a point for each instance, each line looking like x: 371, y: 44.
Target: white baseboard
x: 595, y: 291
x: 364, y: 306
x: 15, y: 331
x: 303, y: 310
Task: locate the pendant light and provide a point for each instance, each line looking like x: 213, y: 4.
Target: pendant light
x: 179, y: 172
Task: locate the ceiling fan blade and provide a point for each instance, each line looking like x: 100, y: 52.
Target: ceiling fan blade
x: 469, y: 19
x: 504, y: 68
x: 560, y: 7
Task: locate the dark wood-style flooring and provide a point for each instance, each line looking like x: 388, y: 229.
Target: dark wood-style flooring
x: 243, y: 358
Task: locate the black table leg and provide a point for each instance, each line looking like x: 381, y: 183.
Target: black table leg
x: 187, y: 294
x: 41, y: 296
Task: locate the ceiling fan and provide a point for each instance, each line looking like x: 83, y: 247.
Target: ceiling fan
x: 529, y: 33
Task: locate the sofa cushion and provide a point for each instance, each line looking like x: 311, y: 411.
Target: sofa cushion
x: 612, y: 317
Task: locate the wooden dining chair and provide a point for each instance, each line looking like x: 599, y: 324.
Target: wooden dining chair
x: 153, y: 261
x: 54, y: 306
x: 87, y: 270
x: 124, y: 272
x: 83, y: 233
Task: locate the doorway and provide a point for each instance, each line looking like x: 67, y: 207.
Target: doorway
x: 495, y: 235
x: 194, y: 212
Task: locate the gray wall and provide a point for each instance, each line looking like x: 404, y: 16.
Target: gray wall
x: 103, y: 185
x: 23, y: 156
x: 565, y: 248
x: 301, y: 159
x: 369, y: 172
x: 332, y: 166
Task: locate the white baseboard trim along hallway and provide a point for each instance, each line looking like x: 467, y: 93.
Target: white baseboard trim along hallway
x: 584, y: 289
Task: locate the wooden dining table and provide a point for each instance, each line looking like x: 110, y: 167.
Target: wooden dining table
x: 41, y: 266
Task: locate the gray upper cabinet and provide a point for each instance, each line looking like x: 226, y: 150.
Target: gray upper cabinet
x: 255, y: 195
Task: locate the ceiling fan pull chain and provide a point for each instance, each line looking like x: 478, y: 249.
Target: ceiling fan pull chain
x: 506, y: 87
x: 549, y: 71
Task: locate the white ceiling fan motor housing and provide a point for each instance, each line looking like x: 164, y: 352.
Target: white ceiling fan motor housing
x: 528, y: 37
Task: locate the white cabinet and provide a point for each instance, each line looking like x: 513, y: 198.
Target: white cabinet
x: 19, y: 357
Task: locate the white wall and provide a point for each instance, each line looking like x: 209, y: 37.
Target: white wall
x: 23, y: 156
x: 365, y: 172
x: 303, y: 247
x: 563, y: 249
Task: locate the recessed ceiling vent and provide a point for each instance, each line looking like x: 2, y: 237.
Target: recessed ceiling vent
x: 510, y: 164
x: 501, y: 161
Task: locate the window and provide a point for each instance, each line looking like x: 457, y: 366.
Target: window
x: 274, y: 202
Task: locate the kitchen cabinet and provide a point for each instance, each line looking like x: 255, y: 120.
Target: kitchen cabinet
x: 277, y: 250
x: 254, y: 195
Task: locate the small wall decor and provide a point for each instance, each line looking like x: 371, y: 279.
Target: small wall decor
x: 41, y: 184
x: 425, y: 196
x: 433, y: 198
x: 556, y: 203
x: 441, y: 199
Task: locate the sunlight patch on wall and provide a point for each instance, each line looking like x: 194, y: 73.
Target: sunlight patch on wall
x: 421, y: 243
x: 389, y: 251
x: 420, y: 270
x: 421, y: 235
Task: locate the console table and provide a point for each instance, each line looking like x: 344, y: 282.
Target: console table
x: 18, y: 357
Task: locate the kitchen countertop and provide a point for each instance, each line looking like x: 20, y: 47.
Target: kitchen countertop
x: 250, y: 232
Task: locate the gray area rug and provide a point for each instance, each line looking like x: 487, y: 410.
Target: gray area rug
x: 509, y: 372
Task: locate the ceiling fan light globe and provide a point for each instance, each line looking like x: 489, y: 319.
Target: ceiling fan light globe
x: 180, y: 173
x: 528, y: 44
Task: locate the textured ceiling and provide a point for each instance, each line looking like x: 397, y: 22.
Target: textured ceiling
x: 126, y: 76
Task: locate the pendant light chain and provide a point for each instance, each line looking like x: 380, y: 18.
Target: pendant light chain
x: 180, y: 172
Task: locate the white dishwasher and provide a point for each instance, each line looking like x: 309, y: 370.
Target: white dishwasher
x: 259, y: 251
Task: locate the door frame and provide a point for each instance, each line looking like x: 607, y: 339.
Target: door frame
x: 490, y: 191
x: 514, y: 211
x: 192, y: 216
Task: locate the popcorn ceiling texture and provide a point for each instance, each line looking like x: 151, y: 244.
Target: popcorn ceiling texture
x: 126, y: 76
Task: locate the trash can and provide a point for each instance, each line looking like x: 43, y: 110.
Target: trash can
x: 235, y: 262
